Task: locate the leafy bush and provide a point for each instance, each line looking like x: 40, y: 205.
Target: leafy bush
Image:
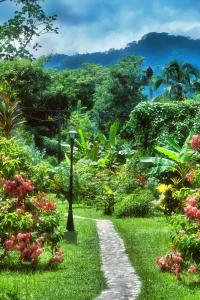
x: 89, y: 181
x: 29, y: 226
x: 138, y: 204
x: 13, y: 158
x: 60, y: 181
x: 42, y: 175
x: 185, y: 240
x: 151, y: 124
x: 106, y: 200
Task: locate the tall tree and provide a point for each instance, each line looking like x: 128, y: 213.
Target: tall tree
x: 119, y: 93
x: 177, y: 78
x: 18, y: 33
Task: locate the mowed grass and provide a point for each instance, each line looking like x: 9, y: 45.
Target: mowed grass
x: 145, y: 239
x: 78, y: 278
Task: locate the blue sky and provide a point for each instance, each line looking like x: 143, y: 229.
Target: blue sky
x: 98, y: 25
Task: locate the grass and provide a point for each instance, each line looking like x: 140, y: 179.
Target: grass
x: 145, y: 239
x: 79, y: 277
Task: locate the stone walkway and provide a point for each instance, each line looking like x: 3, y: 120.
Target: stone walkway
x: 122, y: 281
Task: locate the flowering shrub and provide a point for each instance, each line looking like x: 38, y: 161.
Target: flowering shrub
x: 186, y: 240
x: 186, y: 227
x: 195, y: 142
x: 29, y: 226
x: 172, y: 262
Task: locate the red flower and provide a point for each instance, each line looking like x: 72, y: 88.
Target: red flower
x: 9, y: 244
x: 18, y: 187
x: 195, y: 142
x: 58, y: 257
x: 190, y: 177
x: 191, y: 201
x: 192, y: 269
x: 44, y: 204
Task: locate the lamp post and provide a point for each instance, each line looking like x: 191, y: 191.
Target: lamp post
x: 70, y: 234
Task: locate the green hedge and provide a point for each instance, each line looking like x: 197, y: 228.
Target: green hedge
x: 151, y: 123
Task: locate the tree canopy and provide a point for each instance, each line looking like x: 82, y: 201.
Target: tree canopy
x: 29, y: 21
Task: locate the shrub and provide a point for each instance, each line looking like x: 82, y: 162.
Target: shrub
x: 42, y: 175
x: 151, y: 123
x: 185, y: 236
x: 60, y: 178
x: 106, y: 200
x: 138, y: 204
x: 29, y: 225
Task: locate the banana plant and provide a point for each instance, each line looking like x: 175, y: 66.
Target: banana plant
x: 177, y: 159
x: 88, y: 148
x: 110, y: 141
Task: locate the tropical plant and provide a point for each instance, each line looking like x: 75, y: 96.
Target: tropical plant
x: 185, y: 240
x: 177, y: 78
x: 180, y: 160
x: 10, y: 116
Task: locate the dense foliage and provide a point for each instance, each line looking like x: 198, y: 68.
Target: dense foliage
x: 151, y: 123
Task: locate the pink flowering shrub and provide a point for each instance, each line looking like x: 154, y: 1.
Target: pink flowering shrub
x: 29, y: 226
x: 195, y: 142
x: 186, y: 240
x: 172, y: 262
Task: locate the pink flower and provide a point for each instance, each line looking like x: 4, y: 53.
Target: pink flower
x: 9, y: 244
x: 24, y: 236
x: 163, y: 262
x: 176, y: 269
x: 190, y: 211
x: 176, y: 257
x: 198, y: 214
x: 190, y: 177
x: 192, y: 269
x: 58, y: 257
x: 191, y: 201
x: 195, y: 142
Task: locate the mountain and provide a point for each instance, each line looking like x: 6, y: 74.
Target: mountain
x: 156, y: 48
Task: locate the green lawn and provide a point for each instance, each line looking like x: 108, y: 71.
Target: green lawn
x: 146, y: 238
x: 78, y: 278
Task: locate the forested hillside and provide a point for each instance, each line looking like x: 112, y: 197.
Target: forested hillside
x: 157, y: 49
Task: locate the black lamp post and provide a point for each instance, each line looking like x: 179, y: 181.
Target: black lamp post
x: 70, y: 233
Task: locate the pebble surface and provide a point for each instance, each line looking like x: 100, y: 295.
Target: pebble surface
x: 122, y: 281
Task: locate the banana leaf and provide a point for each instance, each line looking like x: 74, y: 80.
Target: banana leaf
x: 159, y: 161
x: 175, y: 156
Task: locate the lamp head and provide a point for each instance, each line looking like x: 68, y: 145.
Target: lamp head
x: 72, y: 134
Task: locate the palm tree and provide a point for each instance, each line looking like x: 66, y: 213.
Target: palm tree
x: 10, y: 115
x: 178, y: 79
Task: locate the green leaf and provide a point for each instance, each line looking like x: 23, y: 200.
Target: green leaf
x: 175, y: 146
x: 158, y: 161
x: 171, y: 154
x: 161, y: 169
x: 113, y: 133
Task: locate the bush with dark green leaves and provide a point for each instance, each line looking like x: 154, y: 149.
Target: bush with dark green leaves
x: 138, y: 204
x: 152, y: 123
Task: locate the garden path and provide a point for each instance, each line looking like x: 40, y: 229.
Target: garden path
x: 122, y: 281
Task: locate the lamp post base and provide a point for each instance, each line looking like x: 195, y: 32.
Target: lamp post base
x: 71, y: 236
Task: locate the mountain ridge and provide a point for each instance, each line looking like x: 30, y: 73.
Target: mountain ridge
x: 156, y: 48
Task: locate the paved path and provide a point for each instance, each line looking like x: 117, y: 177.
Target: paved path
x: 122, y: 281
